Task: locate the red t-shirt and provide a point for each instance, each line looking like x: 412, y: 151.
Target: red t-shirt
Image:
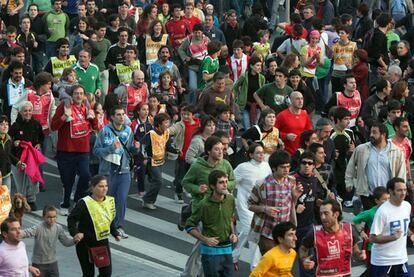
x: 289, y: 31
x: 193, y: 20
x: 287, y: 123
x: 177, y: 31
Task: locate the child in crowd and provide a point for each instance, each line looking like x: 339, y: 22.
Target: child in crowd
x: 210, y: 64
x: 239, y: 61
x: 167, y: 90
x: 155, y: 106
x: 363, y: 222
x: 140, y: 126
x: 182, y: 131
x: 226, y: 123
x: 64, y: 87
x: 263, y: 45
x: 155, y: 145
x: 46, y: 235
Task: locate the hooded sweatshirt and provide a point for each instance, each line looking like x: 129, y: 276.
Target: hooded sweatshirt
x: 198, y: 175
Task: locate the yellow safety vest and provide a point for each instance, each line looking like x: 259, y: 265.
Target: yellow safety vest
x: 152, y: 48
x: 58, y: 65
x: 124, y: 72
x: 102, y: 214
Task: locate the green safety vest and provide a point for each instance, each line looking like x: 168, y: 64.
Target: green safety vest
x: 102, y: 214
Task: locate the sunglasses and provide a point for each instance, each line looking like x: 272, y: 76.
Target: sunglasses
x: 306, y: 163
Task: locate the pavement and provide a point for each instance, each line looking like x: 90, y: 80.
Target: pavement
x: 155, y: 246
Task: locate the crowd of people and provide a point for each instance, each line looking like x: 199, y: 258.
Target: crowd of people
x: 274, y: 128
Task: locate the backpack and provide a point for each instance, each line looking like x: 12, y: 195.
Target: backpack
x: 398, y: 9
x: 367, y: 42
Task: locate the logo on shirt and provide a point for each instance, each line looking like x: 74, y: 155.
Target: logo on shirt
x: 333, y: 247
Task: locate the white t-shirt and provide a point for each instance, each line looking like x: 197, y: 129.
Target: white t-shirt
x: 389, y: 218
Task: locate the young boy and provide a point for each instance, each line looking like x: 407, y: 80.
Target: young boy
x: 262, y: 46
x: 155, y: 146
x: 380, y: 196
x: 183, y: 131
x: 46, y: 235
x: 210, y: 64
x: 238, y: 62
x: 225, y: 122
x: 279, y: 260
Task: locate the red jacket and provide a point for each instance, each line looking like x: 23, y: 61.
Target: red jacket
x: 32, y: 158
x: 360, y: 72
x: 65, y: 143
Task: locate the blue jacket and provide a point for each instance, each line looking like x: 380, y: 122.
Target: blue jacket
x: 105, y: 152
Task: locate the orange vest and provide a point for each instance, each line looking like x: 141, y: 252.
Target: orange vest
x: 333, y: 250
x: 5, y: 203
x: 159, y: 145
x: 135, y: 96
x: 271, y: 141
x: 41, y: 108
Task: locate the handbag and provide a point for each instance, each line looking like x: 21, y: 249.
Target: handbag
x: 99, y: 256
x: 131, y: 157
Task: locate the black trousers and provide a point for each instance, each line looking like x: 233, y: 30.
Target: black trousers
x: 88, y: 268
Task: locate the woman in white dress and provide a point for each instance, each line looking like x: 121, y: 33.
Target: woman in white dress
x: 247, y: 174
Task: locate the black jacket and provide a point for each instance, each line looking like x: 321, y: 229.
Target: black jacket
x: 6, y: 157
x: 26, y: 130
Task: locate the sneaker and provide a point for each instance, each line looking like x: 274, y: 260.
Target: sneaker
x: 149, y: 206
x: 64, y: 211
x: 72, y: 196
x: 141, y: 194
x: 168, y: 186
x: 33, y: 206
x: 122, y: 233
x: 348, y: 204
x: 178, y: 197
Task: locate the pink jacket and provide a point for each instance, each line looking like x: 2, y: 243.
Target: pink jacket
x: 32, y: 158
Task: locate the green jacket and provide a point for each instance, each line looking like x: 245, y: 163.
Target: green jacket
x: 89, y: 77
x: 198, y: 175
x: 241, y: 86
x: 57, y: 25
x: 215, y: 216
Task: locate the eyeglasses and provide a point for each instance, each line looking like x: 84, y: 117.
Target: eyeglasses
x: 306, y: 163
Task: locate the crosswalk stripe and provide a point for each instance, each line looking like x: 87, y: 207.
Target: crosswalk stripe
x: 162, y: 202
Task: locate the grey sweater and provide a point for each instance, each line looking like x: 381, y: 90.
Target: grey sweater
x: 44, y: 250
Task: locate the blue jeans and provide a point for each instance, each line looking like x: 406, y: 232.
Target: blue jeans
x: 192, y: 85
x: 71, y: 164
x: 401, y: 270
x: 119, y: 188
x: 217, y: 265
x: 155, y: 183
x: 246, y: 118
